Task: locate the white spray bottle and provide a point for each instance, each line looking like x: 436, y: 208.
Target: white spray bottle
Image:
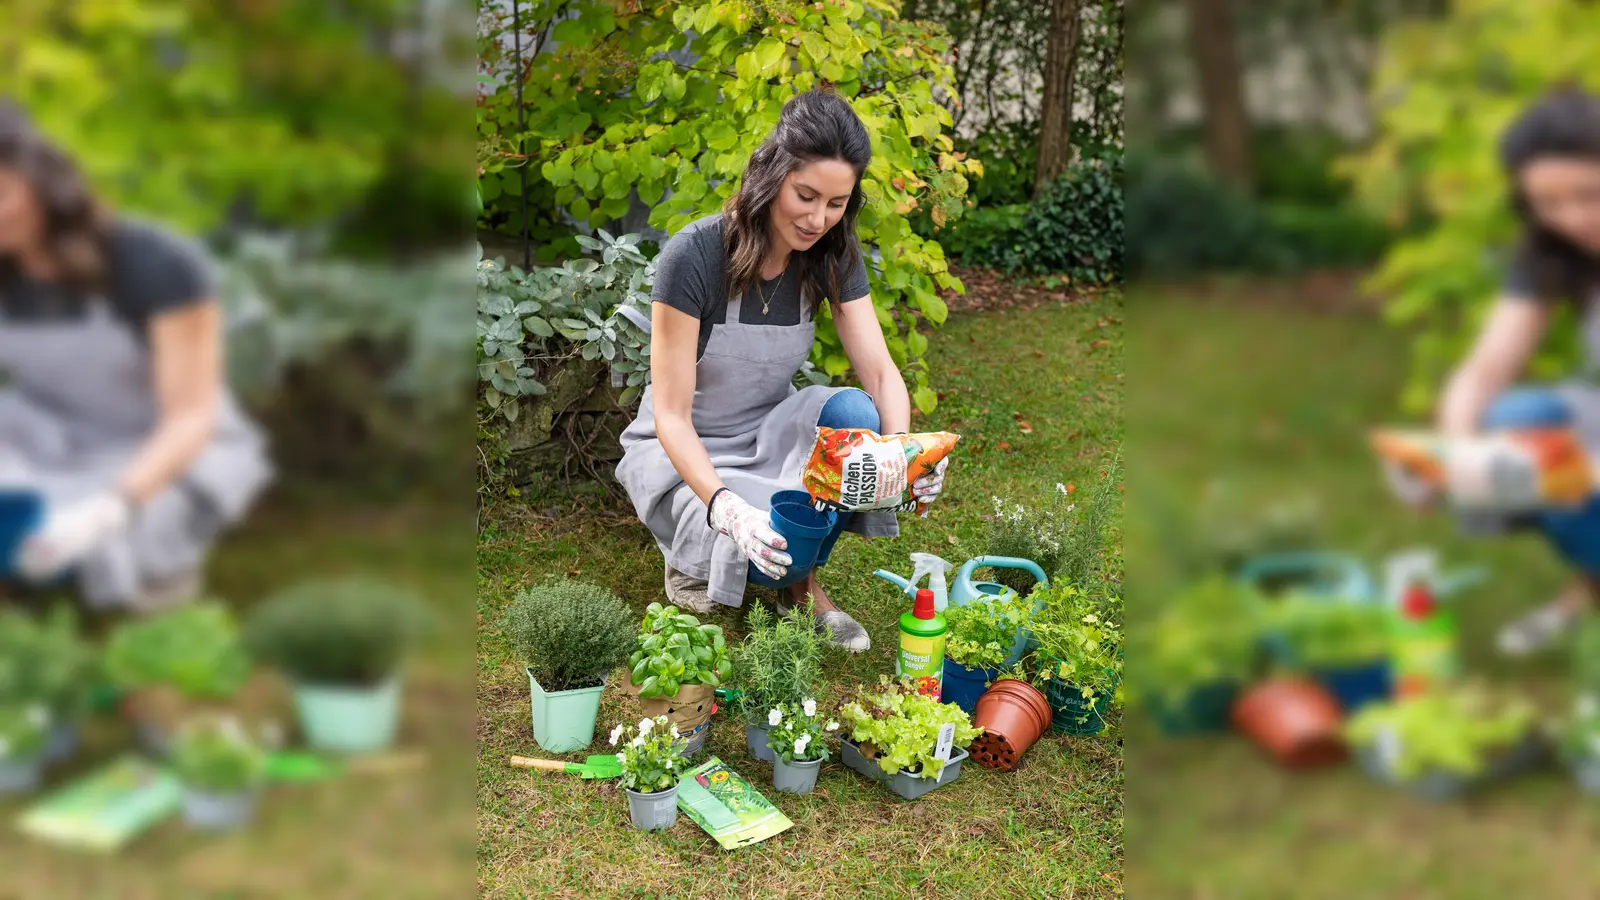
x: 934, y: 568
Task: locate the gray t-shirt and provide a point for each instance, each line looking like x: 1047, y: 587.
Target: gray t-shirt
x: 691, y: 275
x: 1522, y: 282
x: 149, y: 271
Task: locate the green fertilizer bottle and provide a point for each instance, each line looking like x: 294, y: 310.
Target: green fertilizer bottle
x: 922, y: 646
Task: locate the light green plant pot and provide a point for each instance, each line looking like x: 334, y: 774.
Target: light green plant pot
x: 349, y: 720
x: 563, y: 721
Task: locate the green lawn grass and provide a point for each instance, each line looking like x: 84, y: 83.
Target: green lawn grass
x: 365, y: 836
x: 1277, y: 401
x: 1053, y: 829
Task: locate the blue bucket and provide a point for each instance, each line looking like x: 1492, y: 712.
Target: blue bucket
x: 21, y: 511
x: 805, y: 528
x: 1356, y: 686
x: 963, y: 686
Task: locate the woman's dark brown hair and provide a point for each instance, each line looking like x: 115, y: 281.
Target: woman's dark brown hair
x: 1565, y: 124
x: 76, y: 223
x: 816, y: 125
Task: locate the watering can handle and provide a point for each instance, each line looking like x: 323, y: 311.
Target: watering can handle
x: 1001, y: 562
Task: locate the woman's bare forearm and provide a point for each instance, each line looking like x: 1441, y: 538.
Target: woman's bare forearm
x: 1508, y: 341
x: 889, y: 395
x: 169, y: 452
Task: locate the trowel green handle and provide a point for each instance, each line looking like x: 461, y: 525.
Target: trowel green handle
x: 962, y: 590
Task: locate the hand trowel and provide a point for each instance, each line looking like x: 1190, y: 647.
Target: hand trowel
x: 602, y: 766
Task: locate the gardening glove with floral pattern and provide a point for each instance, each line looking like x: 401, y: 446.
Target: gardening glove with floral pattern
x: 750, y: 528
x: 926, y: 489
x: 70, y: 533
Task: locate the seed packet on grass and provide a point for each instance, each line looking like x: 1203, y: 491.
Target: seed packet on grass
x: 106, y: 808
x: 722, y: 803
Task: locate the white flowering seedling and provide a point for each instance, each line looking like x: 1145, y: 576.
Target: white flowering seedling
x: 650, y: 753
x: 796, y: 733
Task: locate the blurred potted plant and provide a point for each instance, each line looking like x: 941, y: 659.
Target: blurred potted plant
x: 894, y: 737
x: 652, y: 760
x: 1444, y: 743
x: 342, y: 643
x: 676, y: 666
x: 797, y: 740
x: 1344, y: 644
x: 778, y: 662
x: 978, y: 638
x: 24, y: 733
x: 570, y: 636
x: 46, y: 659
x: 222, y: 769
x: 183, y: 657
x: 1196, y: 654
x: 1580, y: 734
x: 1580, y: 743
x: 1080, y: 656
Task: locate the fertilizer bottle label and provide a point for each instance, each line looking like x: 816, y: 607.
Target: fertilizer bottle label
x: 922, y: 659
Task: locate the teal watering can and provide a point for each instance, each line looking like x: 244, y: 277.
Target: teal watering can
x: 963, y: 590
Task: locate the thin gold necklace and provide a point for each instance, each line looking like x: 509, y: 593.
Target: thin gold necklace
x: 763, y: 294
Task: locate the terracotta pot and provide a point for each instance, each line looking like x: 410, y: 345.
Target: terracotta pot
x: 1295, y: 720
x: 1012, y: 714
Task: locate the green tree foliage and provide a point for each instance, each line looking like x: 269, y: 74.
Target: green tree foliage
x: 1447, y: 88
x: 612, y: 113
x: 181, y: 108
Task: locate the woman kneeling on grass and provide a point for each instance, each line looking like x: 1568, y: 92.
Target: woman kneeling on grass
x: 721, y: 426
x: 113, y: 407
x: 1552, y: 155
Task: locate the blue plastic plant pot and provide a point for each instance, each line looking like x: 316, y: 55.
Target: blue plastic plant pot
x: 963, y: 686
x: 20, y: 513
x: 1315, y: 573
x: 1356, y: 686
x: 1203, y: 710
x: 805, y: 528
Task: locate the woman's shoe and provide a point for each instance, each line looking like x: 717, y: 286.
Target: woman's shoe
x: 164, y: 594
x: 1542, y: 627
x: 843, y: 631
x: 687, y: 592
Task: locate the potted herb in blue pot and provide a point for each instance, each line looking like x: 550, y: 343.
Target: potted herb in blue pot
x: 1344, y: 644
x: 342, y: 644
x: 979, y: 638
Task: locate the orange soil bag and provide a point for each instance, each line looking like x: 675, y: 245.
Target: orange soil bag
x: 855, y: 469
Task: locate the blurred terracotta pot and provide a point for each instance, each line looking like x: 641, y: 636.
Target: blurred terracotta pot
x: 1295, y: 720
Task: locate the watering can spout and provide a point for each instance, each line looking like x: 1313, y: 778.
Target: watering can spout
x: 892, y: 578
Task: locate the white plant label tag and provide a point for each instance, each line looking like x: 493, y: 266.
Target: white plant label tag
x: 1388, y: 747
x: 947, y: 740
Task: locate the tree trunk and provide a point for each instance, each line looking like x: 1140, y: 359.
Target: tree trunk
x: 1055, y: 115
x: 1216, y: 60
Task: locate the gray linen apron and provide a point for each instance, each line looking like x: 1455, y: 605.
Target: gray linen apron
x: 758, y: 430
x: 77, y: 404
